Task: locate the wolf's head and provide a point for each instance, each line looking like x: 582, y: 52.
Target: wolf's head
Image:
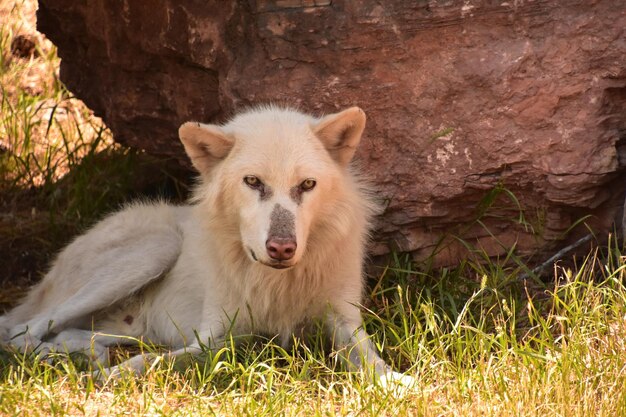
x: 273, y: 177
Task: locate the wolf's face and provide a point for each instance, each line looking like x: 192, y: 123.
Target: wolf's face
x: 276, y: 171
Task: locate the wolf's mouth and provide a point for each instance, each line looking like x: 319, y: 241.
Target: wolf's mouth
x: 277, y: 265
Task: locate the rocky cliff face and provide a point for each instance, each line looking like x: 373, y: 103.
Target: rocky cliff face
x: 508, y: 112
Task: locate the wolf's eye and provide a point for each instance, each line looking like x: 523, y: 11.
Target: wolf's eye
x: 252, y: 181
x: 308, y: 184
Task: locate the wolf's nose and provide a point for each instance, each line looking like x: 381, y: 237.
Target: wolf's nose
x: 281, y: 248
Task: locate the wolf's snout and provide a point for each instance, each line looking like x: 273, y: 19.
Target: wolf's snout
x: 281, y: 249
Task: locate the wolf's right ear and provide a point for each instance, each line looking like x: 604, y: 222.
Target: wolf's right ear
x: 206, y: 145
x: 341, y: 133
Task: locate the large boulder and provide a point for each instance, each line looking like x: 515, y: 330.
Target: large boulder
x: 497, y: 122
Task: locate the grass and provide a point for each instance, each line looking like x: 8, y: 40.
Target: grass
x: 477, y: 343
x: 478, y: 339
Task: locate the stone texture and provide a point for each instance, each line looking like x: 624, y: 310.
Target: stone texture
x: 494, y: 110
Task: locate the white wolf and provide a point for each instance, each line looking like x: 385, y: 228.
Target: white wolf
x: 274, y: 237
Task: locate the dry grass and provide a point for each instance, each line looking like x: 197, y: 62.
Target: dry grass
x: 44, y: 130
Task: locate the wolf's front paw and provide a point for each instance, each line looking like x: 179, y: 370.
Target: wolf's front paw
x: 25, y: 343
x: 399, y: 384
x: 104, y: 375
x: 134, y: 366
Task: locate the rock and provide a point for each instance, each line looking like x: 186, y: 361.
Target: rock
x: 500, y: 123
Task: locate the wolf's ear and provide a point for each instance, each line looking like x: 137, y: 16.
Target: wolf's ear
x: 206, y: 145
x: 341, y: 133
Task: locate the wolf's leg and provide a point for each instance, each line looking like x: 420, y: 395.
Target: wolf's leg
x: 356, y: 348
x: 93, y: 344
x: 354, y: 345
x: 137, y: 365
x: 118, y: 273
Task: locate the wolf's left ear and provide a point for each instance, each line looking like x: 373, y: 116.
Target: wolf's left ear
x: 206, y: 145
x: 341, y: 133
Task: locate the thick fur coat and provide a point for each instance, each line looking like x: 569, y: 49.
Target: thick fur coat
x: 274, y: 236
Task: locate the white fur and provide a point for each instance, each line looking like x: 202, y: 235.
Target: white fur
x: 162, y: 272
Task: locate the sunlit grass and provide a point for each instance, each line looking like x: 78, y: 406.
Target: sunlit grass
x: 475, y: 349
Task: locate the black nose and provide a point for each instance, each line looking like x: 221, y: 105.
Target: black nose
x: 281, y: 248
